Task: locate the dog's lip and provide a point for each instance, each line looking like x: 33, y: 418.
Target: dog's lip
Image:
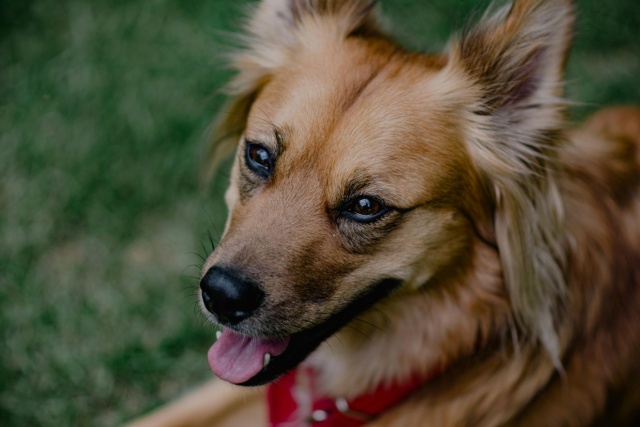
x: 301, y: 344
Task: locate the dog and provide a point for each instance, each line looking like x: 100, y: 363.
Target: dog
x: 420, y: 240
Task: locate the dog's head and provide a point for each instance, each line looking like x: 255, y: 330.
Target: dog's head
x: 364, y: 172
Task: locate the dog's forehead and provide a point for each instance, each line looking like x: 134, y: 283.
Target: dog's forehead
x: 353, y: 114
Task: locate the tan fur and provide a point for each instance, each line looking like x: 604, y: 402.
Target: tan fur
x: 516, y: 237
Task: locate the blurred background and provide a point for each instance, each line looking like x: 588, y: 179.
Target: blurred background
x: 104, y: 112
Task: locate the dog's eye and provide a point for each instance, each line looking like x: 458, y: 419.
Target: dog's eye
x: 364, y: 209
x: 258, y: 159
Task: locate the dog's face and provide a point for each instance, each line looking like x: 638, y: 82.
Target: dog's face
x: 351, y: 182
x: 348, y: 183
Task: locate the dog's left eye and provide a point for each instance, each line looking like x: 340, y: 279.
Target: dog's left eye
x: 364, y: 209
x: 259, y: 159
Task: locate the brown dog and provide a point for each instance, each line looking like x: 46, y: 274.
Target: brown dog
x: 421, y: 238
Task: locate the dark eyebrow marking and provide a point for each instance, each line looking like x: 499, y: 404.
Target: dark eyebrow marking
x: 278, y: 132
x: 279, y: 136
x: 354, y: 187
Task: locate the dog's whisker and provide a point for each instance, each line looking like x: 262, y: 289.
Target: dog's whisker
x: 373, y: 325
x: 211, y: 242
x: 196, y: 266
x: 204, y: 249
x: 213, y: 224
x: 328, y: 344
x: 198, y: 255
x: 382, y: 314
x: 367, y: 336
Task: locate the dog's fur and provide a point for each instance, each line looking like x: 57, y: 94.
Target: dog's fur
x: 516, y: 239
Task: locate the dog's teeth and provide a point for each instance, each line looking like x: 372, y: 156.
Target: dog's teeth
x: 218, y: 334
x: 267, y: 359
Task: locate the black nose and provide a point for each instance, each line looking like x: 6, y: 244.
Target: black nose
x: 230, y: 298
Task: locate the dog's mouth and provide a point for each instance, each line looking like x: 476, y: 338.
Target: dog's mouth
x: 238, y: 358
x: 250, y: 361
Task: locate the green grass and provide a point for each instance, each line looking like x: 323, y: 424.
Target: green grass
x: 104, y: 108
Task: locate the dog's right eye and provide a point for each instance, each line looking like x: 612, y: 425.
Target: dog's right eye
x: 364, y: 209
x: 258, y: 159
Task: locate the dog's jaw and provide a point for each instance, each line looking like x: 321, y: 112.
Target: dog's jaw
x: 417, y: 332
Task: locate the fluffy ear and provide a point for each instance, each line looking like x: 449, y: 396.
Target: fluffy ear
x: 273, y: 34
x: 278, y: 28
x: 513, y: 61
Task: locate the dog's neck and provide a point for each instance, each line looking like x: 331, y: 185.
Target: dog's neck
x: 415, y: 333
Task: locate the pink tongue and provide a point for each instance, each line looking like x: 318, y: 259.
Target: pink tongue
x: 237, y: 358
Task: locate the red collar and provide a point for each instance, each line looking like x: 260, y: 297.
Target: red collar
x: 284, y: 395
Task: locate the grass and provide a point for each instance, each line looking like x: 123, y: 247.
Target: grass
x: 104, y: 108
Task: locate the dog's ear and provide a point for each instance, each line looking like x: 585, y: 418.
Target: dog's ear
x: 512, y: 63
x: 278, y: 28
x: 273, y: 34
